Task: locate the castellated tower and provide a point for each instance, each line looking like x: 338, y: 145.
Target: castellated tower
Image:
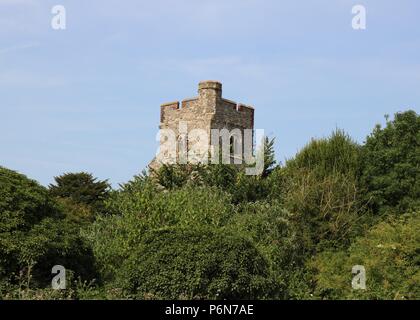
x: 203, y: 114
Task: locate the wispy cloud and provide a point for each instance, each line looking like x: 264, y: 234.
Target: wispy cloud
x: 18, y: 47
x: 25, y: 79
x: 17, y: 2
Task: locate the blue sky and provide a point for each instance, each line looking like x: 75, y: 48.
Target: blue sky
x: 87, y: 98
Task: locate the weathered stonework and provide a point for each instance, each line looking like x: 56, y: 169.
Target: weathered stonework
x: 207, y: 111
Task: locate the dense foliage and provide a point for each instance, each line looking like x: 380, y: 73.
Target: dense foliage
x: 390, y: 254
x: 81, y: 188
x: 35, y: 235
x: 212, y: 232
x: 391, y: 160
x: 200, y: 263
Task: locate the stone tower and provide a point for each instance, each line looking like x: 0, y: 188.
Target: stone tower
x: 203, y: 113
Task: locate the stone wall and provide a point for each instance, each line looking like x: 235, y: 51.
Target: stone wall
x: 207, y: 111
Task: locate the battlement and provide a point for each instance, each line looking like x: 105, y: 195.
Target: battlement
x: 240, y: 107
x: 208, y: 104
x: 167, y: 106
x: 176, y: 105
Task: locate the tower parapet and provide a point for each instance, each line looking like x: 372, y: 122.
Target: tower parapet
x: 209, y: 110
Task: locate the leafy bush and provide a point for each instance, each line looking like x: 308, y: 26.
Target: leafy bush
x: 195, y: 263
x: 268, y: 226
x: 142, y: 209
x: 326, y: 212
x: 250, y: 189
x: 390, y: 254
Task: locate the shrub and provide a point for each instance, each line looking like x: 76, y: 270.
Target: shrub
x: 390, y: 254
x: 325, y: 212
x: 195, y: 263
x: 268, y: 226
x: 250, y: 189
x: 144, y: 209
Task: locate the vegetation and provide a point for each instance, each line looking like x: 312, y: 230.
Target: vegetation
x: 200, y: 263
x: 390, y: 254
x: 35, y: 235
x: 81, y: 189
x: 212, y: 232
x: 391, y: 160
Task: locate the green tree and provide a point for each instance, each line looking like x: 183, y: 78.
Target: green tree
x: 269, y: 157
x: 320, y: 188
x: 337, y: 153
x: 82, y: 188
x: 391, y: 164
x: 35, y: 235
x: 23, y: 202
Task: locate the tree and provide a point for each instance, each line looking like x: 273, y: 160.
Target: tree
x: 269, y: 157
x: 35, y: 235
x: 391, y: 170
x: 82, y: 188
x: 23, y: 202
x: 337, y: 153
x: 320, y: 188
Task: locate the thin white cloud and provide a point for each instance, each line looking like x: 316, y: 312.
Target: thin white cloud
x: 24, y: 79
x: 17, y: 2
x: 18, y: 47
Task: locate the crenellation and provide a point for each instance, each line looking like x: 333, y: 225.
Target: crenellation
x: 228, y: 104
x: 186, y: 103
x: 171, y: 105
x: 166, y: 107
